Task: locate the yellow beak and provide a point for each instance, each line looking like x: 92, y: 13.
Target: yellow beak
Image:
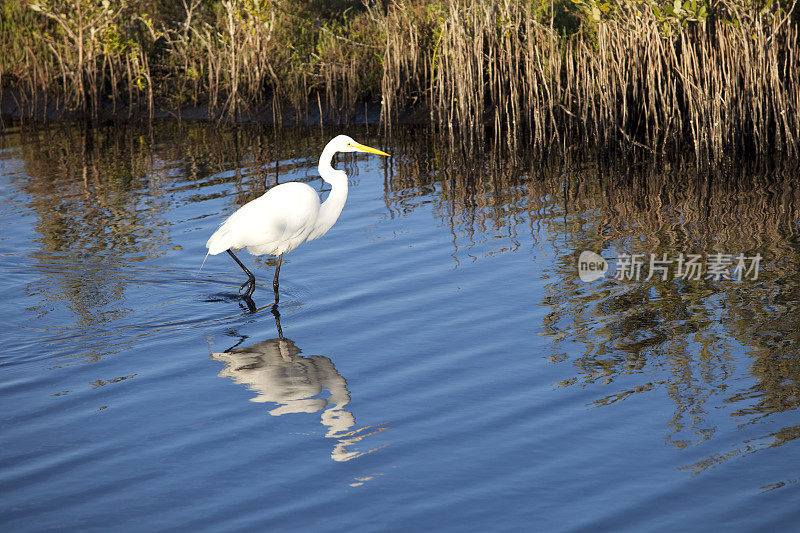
x: 368, y: 149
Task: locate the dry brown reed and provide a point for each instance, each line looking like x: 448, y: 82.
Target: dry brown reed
x: 484, y: 71
x: 494, y: 69
x: 81, y: 53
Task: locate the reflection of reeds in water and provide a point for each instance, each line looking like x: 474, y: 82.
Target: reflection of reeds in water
x: 669, y: 332
x: 85, y: 189
x: 84, y: 186
x: 489, y: 197
x: 675, y: 329
x: 278, y: 374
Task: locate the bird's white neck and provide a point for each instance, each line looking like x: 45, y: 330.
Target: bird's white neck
x: 332, y: 207
x: 325, y: 168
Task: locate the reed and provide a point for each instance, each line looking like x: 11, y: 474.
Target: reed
x: 629, y: 75
x: 632, y: 79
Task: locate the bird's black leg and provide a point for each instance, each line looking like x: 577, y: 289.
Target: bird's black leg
x: 275, y: 280
x: 251, y: 305
x: 277, y: 316
x: 251, y: 279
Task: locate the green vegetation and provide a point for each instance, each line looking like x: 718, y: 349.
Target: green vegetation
x: 661, y: 75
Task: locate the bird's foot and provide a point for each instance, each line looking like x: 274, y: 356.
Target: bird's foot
x: 251, y: 286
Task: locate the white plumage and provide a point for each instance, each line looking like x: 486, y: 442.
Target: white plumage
x: 275, y: 223
x: 286, y: 215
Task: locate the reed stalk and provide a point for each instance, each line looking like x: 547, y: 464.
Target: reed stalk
x: 627, y: 75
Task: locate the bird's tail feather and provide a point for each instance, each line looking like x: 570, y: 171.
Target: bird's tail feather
x: 219, y: 241
x: 204, y: 262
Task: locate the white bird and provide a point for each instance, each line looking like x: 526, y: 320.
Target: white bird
x: 286, y: 216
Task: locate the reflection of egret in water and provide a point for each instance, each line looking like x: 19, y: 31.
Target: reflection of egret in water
x: 274, y: 370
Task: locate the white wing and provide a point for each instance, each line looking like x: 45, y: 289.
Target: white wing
x: 274, y: 223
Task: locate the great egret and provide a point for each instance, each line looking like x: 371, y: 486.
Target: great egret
x: 286, y: 215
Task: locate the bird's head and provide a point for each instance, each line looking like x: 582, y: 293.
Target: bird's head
x: 343, y: 143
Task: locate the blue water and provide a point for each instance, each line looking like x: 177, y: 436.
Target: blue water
x: 441, y: 366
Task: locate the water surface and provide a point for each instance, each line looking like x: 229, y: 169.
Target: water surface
x: 435, y: 360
